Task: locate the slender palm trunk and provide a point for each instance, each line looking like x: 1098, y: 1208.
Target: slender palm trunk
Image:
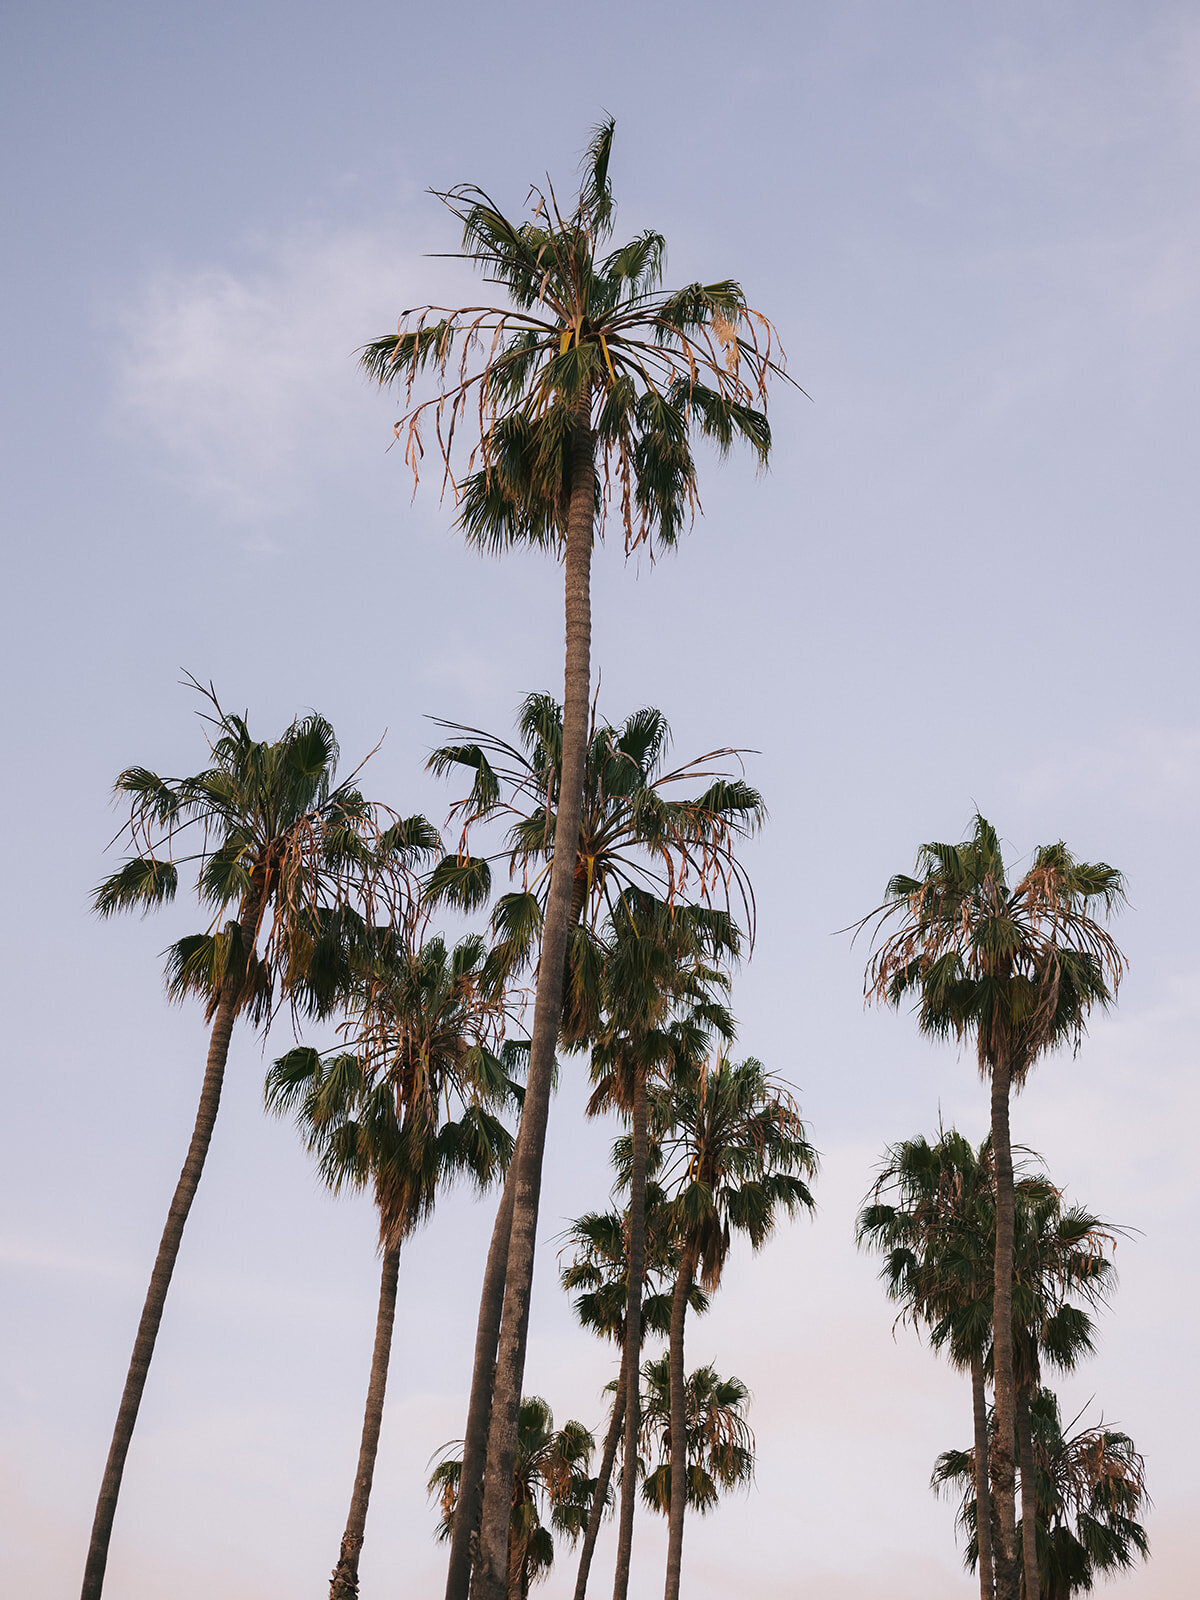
x: 344, y: 1583
x: 479, y: 1408
x: 983, y: 1487
x: 490, y: 1574
x: 1033, y: 1587
x: 633, y: 1333
x: 607, y: 1461
x: 1002, y: 1465
x: 678, y: 1455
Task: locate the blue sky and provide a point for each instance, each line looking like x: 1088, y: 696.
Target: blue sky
x: 969, y: 579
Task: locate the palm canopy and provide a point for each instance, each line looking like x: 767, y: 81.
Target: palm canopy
x: 1090, y: 1496
x: 733, y: 1151
x: 303, y: 862
x: 423, y: 1043
x: 635, y: 831
x: 1018, y: 966
x: 588, y: 337
x: 720, y: 1443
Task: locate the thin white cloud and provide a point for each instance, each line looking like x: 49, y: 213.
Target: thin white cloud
x: 1154, y: 771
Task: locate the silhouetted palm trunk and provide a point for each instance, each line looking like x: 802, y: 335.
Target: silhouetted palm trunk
x: 983, y: 1487
x: 1002, y: 1465
x: 490, y: 1573
x: 607, y: 1461
x: 164, y: 1266
x: 1033, y: 1586
x: 633, y: 1333
x: 479, y: 1408
x: 344, y: 1583
x: 678, y: 1453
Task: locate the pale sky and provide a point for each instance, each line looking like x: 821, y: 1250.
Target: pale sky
x: 969, y: 580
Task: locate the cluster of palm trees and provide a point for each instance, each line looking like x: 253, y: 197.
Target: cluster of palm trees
x: 620, y: 912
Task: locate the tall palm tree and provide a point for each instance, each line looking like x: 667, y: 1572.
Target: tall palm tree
x: 660, y: 1007
x: 737, y: 1154
x: 1016, y: 968
x: 1091, y: 1492
x: 590, y: 365
x: 298, y: 861
x: 720, y: 1445
x: 549, y: 1474
x: 599, y: 1273
x: 635, y: 834
x: 378, y: 1115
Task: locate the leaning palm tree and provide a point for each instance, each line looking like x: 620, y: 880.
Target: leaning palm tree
x: 720, y: 1445
x: 589, y: 384
x: 302, y: 864
x: 1091, y: 1493
x: 377, y: 1115
x: 1017, y: 969
x: 737, y: 1154
x: 549, y: 1474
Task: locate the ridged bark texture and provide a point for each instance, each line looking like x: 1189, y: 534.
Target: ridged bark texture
x: 596, y: 1512
x: 1002, y: 1465
x: 479, y: 1408
x: 633, y: 1334
x: 344, y: 1583
x: 983, y: 1487
x: 678, y: 1455
x: 490, y: 1572
x: 164, y: 1266
x: 1033, y: 1584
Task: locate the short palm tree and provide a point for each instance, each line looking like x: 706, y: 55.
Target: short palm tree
x: 735, y: 1155
x: 549, y: 1475
x: 300, y: 862
x: 1091, y: 1493
x: 720, y: 1445
x: 1016, y: 968
x: 377, y: 1115
x: 589, y: 383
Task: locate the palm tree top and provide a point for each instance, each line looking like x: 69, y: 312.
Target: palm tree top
x: 589, y: 335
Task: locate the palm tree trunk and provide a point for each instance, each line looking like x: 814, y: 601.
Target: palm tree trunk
x: 344, y: 1583
x: 983, y: 1487
x: 479, y: 1407
x: 1033, y: 1587
x: 633, y: 1333
x: 490, y: 1574
x: 607, y: 1460
x: 678, y: 1456
x: 156, y: 1295
x: 1002, y: 1465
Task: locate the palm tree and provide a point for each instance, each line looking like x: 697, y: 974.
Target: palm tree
x: 600, y: 1271
x: 379, y: 1114
x: 589, y: 366
x: 720, y: 1445
x: 635, y: 835
x: 1017, y: 969
x: 549, y: 1472
x: 1091, y: 1491
x: 299, y: 862
x: 659, y: 1010
x: 738, y: 1153
x: 938, y: 1240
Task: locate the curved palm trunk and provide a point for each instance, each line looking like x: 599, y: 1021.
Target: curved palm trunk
x: 156, y: 1296
x: 1033, y: 1587
x: 490, y: 1574
x: 633, y: 1334
x: 678, y: 1456
x: 479, y: 1408
x: 983, y: 1487
x: 344, y: 1583
x: 607, y: 1461
x: 1002, y: 1465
